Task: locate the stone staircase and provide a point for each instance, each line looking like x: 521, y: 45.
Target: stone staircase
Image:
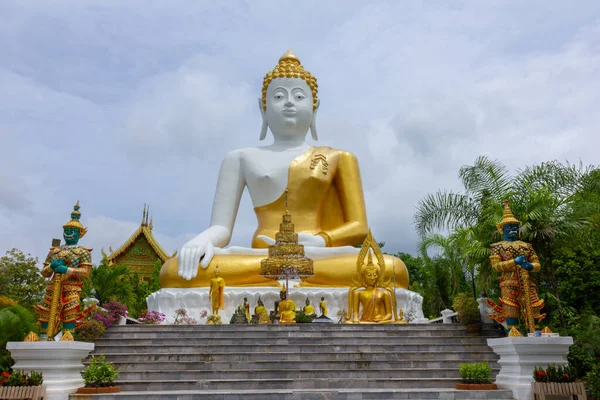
x: 302, y: 361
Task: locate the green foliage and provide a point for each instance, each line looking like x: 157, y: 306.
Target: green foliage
x: 113, y: 283
x: 554, y: 373
x: 15, y: 323
x: 90, y: 332
x: 99, y: 373
x: 21, y: 378
x: 592, y: 381
x: 580, y: 360
x: 476, y: 373
x: 20, y: 279
x: 302, y: 318
x: 467, y: 309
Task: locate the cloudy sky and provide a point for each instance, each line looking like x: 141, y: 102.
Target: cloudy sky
x: 121, y: 103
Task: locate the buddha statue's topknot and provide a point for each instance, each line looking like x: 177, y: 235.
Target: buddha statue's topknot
x: 289, y: 67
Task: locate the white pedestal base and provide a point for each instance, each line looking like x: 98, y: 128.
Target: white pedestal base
x: 59, y: 362
x: 195, y: 300
x: 520, y: 355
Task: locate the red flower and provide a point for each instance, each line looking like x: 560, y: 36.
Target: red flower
x: 566, y: 375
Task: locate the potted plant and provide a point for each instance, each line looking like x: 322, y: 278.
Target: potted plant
x: 213, y: 320
x: 99, y: 377
x: 556, y: 380
x: 21, y: 385
x: 468, y: 313
x: 476, y: 376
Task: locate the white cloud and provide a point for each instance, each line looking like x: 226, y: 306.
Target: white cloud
x: 117, y: 104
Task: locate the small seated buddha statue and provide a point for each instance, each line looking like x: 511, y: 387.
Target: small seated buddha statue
x: 324, y: 189
x: 375, y: 304
x: 285, y: 309
x: 261, y: 312
x: 309, y: 310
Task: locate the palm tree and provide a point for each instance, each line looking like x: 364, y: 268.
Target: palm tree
x: 542, y: 196
x: 112, y: 283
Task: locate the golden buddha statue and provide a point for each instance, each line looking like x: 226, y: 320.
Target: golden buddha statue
x: 308, y: 309
x: 376, y: 302
x: 286, y: 309
x: 324, y: 189
x: 247, y: 309
x: 323, y: 307
x: 217, y: 289
x: 261, y: 311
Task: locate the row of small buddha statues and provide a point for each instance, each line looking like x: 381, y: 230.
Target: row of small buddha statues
x: 284, y: 311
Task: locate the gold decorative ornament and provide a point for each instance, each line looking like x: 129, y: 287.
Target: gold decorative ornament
x: 514, y: 332
x: 289, y: 66
x: 67, y: 337
x: 507, y: 218
x: 31, y: 337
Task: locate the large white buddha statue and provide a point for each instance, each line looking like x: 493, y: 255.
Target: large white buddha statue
x: 325, y: 197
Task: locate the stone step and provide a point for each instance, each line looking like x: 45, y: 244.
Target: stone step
x: 267, y: 335
x: 179, y: 365
x: 299, y: 374
x: 363, y: 347
x: 316, y: 383
x: 154, y: 356
x: 298, y: 327
x: 290, y: 394
x: 293, y: 341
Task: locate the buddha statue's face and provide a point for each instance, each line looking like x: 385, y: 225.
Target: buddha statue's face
x: 289, y: 107
x: 71, y: 235
x: 371, y: 275
x: 307, y: 302
x: 282, y: 295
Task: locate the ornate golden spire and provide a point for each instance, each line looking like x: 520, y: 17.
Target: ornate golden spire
x: 507, y: 218
x: 74, y: 222
x: 289, y: 66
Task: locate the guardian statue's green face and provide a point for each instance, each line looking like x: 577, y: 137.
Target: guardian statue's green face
x: 71, y: 235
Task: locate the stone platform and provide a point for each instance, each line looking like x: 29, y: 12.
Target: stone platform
x: 301, y: 361
x: 195, y: 300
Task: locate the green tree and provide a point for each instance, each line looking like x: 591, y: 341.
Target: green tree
x: 542, y: 197
x: 15, y: 323
x: 112, y: 283
x: 20, y: 279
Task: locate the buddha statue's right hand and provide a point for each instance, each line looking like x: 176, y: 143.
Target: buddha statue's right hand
x: 202, y: 247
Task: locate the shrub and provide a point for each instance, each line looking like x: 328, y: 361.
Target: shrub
x: 20, y: 378
x: 554, y: 373
x: 475, y: 373
x: 302, y: 318
x: 15, y: 323
x: 467, y: 309
x: 580, y: 360
x: 99, y: 373
x: 592, y: 380
x: 105, y: 317
x: 90, y: 332
x: 116, y: 309
x: 152, y: 318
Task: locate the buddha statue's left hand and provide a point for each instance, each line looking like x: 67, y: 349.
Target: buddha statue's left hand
x: 306, y: 239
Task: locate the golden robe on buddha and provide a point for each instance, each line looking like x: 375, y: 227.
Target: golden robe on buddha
x: 326, y: 198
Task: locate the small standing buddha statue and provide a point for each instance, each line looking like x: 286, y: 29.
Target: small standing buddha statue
x: 286, y: 309
x: 309, y: 310
x: 247, y: 309
x: 323, y: 307
x: 374, y: 304
x: 216, y: 292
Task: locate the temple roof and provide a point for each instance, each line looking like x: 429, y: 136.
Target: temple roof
x: 145, y: 230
